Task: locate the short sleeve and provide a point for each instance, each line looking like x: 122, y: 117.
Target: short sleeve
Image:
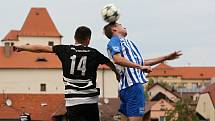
x: 114, y: 46
x: 59, y: 50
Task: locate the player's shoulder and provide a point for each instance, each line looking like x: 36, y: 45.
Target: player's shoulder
x: 92, y: 49
x: 115, y: 40
x: 58, y: 46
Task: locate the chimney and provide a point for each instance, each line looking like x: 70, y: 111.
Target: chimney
x: 7, y: 49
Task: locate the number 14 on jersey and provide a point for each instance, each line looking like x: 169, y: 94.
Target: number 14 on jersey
x: 81, y: 64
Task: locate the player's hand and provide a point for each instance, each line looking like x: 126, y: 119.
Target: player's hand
x: 173, y: 55
x: 146, y: 69
x: 118, y: 77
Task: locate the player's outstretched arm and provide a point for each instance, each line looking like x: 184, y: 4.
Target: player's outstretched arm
x: 119, y: 60
x: 33, y: 48
x: 171, y: 56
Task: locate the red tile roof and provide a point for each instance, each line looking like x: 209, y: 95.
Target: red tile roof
x: 11, y: 36
x: 32, y: 104
x: 39, y: 23
x: 183, y: 72
x: 211, y: 90
x: 54, y: 106
x: 60, y: 111
x: 110, y: 109
x: 29, y: 60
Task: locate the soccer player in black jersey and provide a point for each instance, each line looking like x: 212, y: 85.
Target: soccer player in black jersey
x: 79, y: 64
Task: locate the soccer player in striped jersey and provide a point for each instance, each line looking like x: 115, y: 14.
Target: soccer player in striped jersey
x: 131, y: 66
x: 80, y: 64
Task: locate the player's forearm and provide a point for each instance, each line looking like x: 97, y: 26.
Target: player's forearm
x: 111, y: 66
x: 126, y: 63
x: 34, y: 48
x: 153, y: 61
x: 31, y: 48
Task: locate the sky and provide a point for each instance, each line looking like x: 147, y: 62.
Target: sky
x: 157, y: 27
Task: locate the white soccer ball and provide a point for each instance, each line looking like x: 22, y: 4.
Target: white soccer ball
x: 110, y: 13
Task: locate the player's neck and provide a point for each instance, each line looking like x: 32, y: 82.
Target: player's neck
x: 83, y: 44
x: 119, y: 35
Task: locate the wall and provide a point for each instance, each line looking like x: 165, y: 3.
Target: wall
x: 205, y: 107
x: 109, y: 83
x: 29, y: 80
x: 38, y: 40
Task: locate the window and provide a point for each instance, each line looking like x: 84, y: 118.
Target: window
x: 12, y: 44
x: 196, y: 98
x: 183, y: 84
x: 7, y: 44
x: 194, y: 85
x: 51, y: 43
x: 162, y: 118
x: 155, y: 119
x: 42, y: 87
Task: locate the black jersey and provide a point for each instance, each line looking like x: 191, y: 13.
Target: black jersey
x: 79, y: 64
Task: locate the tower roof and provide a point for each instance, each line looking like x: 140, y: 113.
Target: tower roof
x: 39, y: 23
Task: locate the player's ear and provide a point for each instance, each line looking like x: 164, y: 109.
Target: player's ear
x: 114, y: 29
x: 87, y: 41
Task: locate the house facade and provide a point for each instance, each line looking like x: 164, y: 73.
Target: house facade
x: 160, y: 101
x: 206, y: 103
x: 183, y: 77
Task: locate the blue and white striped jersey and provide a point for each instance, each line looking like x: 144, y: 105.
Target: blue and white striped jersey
x: 128, y: 50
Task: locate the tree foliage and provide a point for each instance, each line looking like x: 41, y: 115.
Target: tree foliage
x: 183, y: 112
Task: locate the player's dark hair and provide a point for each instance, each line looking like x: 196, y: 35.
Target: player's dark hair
x: 82, y: 33
x: 108, y: 29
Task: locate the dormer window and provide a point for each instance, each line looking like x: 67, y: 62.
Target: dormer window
x: 41, y: 59
x: 37, y: 13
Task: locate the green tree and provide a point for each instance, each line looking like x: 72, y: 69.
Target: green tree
x: 150, y: 83
x: 165, y: 84
x: 183, y: 112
